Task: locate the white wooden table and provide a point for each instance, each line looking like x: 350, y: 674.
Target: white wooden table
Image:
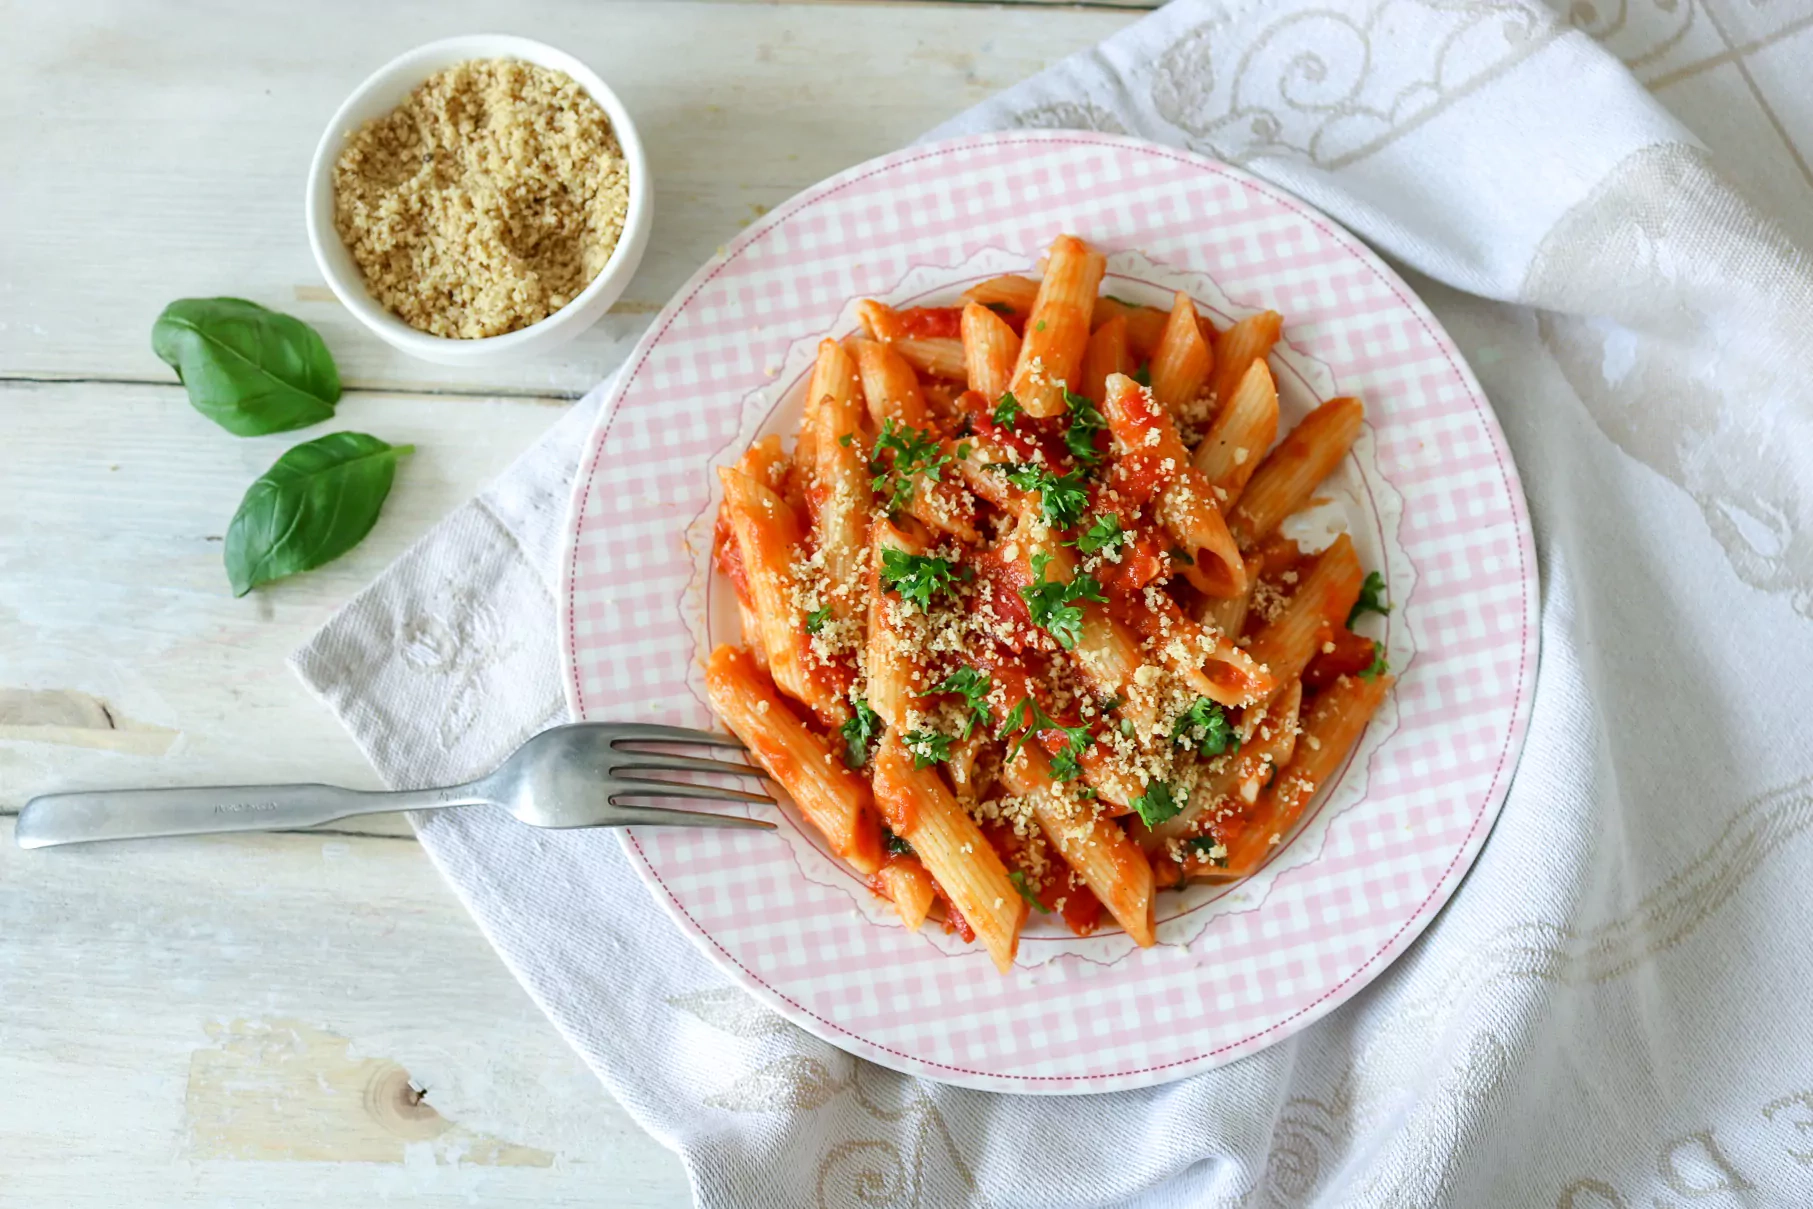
x: 253, y: 1021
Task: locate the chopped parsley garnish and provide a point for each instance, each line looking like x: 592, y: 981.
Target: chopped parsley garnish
x: 1017, y: 721
x: 1372, y: 599
x: 1206, y: 728
x: 895, y: 845
x: 1007, y: 411
x: 1085, y: 422
x: 1122, y: 301
x: 1209, y: 848
x: 859, y: 732
x: 1157, y: 804
x: 1018, y: 878
x: 914, y: 451
x: 1143, y: 375
x: 928, y: 747
x: 963, y: 450
x: 1054, y: 607
x: 1181, y: 556
x: 1105, y: 534
x: 973, y: 687
x: 917, y: 577
x: 1379, y: 664
x: 1061, y: 496
x: 1039, y: 326
x: 846, y: 439
x: 815, y: 620
x: 999, y: 308
x: 1067, y: 764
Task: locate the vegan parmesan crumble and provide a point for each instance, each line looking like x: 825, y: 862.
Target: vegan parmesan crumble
x: 486, y: 201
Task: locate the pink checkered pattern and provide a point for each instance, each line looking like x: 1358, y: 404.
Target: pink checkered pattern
x: 1433, y: 786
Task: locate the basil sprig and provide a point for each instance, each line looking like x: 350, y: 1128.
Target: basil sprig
x: 251, y: 370
x: 317, y: 502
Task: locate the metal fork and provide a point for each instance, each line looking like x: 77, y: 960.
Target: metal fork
x: 567, y: 776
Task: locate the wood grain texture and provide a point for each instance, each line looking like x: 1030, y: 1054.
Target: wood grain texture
x: 124, y: 658
x: 249, y: 1021
x: 160, y: 157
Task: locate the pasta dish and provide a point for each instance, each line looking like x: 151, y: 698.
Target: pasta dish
x: 1020, y: 630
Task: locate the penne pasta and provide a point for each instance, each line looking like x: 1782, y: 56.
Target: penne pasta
x: 1289, y: 475
x: 1149, y: 446
x: 904, y: 881
x: 888, y: 659
x: 1181, y: 363
x: 989, y: 351
x: 1106, y: 355
x: 935, y: 356
x: 1057, y: 331
x: 1237, y: 349
x: 832, y: 798
x: 897, y: 407
x: 1009, y: 295
x: 1331, y: 726
x: 767, y: 533
x: 840, y: 492
x: 1008, y: 643
x: 1288, y: 640
x: 1110, y: 864
x: 920, y: 810
x: 1243, y: 430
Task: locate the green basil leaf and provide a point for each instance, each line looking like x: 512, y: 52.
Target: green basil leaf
x: 318, y: 501
x: 250, y: 370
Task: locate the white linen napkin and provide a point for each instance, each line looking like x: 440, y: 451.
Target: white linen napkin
x: 1614, y: 1010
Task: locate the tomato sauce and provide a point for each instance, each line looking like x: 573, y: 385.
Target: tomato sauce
x: 728, y: 559
x: 1351, y: 656
x: 933, y: 322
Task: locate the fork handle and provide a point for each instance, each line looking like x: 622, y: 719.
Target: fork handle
x: 131, y: 814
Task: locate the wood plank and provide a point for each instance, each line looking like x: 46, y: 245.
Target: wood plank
x: 124, y: 658
x: 151, y: 159
x: 249, y: 1020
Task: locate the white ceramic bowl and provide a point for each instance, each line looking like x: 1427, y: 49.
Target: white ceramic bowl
x: 385, y: 90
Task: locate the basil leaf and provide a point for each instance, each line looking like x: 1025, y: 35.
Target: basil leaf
x: 250, y: 370
x: 318, y: 501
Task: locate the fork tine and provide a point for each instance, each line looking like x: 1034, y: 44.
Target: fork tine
x: 650, y: 760
x: 648, y: 787
x: 649, y: 732
x: 656, y: 816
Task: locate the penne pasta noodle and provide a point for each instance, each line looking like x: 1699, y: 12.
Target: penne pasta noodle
x: 921, y: 811
x: 1012, y: 295
x: 1286, y: 643
x: 989, y: 351
x: 1057, y: 331
x: 840, y: 493
x: 1235, y: 779
x: 1181, y: 363
x: 1206, y: 659
x: 888, y: 658
x: 1237, y: 349
x: 1331, y: 726
x: 1289, y: 475
x: 904, y: 881
x: 1228, y: 613
x: 1243, y: 430
x: 879, y: 320
x: 1110, y: 864
x: 1145, y: 325
x: 1147, y: 440
x: 934, y: 356
x: 1106, y: 355
x: 832, y: 798
x: 767, y: 532
x: 895, y: 404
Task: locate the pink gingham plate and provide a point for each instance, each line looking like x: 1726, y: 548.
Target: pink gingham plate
x: 1429, y: 494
